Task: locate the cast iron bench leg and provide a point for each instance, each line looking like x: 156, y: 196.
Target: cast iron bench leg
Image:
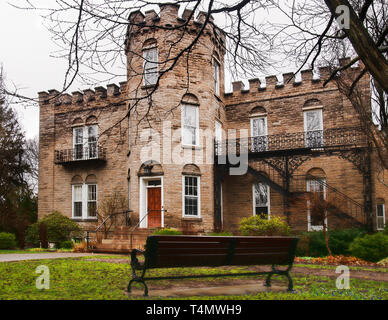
x: 290, y: 283
x: 140, y: 281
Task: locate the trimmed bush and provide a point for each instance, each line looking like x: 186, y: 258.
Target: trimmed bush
x: 59, y: 229
x: 7, y: 240
x: 371, y: 247
x: 386, y: 229
x: 67, y: 244
x: 261, y: 226
x: 167, y: 231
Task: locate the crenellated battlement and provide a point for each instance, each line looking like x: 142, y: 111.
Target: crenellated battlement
x: 87, y: 96
x: 288, y: 81
x: 169, y: 17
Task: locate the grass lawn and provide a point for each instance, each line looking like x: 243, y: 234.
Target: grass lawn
x: 87, y: 279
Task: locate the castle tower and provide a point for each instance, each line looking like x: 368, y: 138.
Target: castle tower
x: 173, y: 118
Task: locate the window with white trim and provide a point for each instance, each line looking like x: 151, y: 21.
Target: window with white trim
x: 216, y: 75
x: 259, y: 133
x: 313, y: 127
x: 77, y: 201
x: 191, y: 196
x: 150, y: 57
x: 317, y: 186
x: 85, y: 142
x: 84, y: 201
x: 261, y: 199
x: 190, y: 125
x: 380, y: 216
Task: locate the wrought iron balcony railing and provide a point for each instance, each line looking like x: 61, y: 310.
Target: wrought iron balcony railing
x: 349, y: 136
x: 80, y: 154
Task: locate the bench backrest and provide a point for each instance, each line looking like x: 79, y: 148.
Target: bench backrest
x: 186, y: 251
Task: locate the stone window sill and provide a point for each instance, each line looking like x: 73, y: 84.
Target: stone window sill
x: 84, y: 220
x: 192, y: 219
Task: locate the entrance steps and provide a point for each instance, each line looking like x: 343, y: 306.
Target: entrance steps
x: 120, y: 241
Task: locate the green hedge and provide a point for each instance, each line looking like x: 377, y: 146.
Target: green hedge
x: 371, y: 247
x: 7, y: 240
x: 313, y: 243
x: 167, y: 231
x: 67, y: 244
x: 220, y: 234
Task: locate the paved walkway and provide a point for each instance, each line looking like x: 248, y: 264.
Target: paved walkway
x: 38, y: 256
x: 236, y: 289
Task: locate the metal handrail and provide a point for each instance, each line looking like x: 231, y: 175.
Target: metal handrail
x: 138, y: 224
x: 102, y: 223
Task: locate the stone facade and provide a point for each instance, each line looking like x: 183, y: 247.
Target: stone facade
x: 143, y: 142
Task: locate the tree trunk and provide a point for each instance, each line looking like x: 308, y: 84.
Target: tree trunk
x: 363, y: 44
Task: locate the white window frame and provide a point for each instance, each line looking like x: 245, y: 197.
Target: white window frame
x: 377, y: 217
x: 218, y: 137
x: 263, y: 135
x: 216, y: 76
x: 184, y: 215
x: 85, y: 142
x: 254, y: 199
x: 72, y: 201
x: 155, y: 63
x: 197, y: 142
x: 85, y: 201
x: 320, y: 111
x: 311, y: 227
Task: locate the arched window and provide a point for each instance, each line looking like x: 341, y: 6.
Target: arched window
x: 315, y: 183
x: 191, y: 191
x: 259, y: 129
x: 190, y: 120
x: 313, y: 123
x: 85, y: 139
x: 150, y: 56
x: 261, y: 198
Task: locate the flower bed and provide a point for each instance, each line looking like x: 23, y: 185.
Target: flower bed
x: 335, y: 260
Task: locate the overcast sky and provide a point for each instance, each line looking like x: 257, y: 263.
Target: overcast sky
x: 26, y: 52
x: 25, y: 49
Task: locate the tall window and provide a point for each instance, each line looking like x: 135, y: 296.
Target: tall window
x: 85, y: 142
x: 313, y: 127
x: 150, y: 57
x: 261, y: 200
x: 318, y: 187
x: 190, y: 125
x: 380, y: 216
x: 191, y: 196
x: 85, y: 201
x: 216, y: 75
x: 92, y: 200
x: 78, y: 143
x: 77, y: 201
x: 259, y: 133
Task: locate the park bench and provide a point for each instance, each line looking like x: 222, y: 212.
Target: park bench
x: 207, y: 251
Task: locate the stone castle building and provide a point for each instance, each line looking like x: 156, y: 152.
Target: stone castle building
x: 176, y: 156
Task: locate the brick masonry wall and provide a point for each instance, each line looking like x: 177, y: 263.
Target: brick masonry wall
x: 125, y: 146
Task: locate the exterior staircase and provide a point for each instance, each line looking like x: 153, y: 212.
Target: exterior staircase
x: 120, y: 242
x: 347, y: 209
